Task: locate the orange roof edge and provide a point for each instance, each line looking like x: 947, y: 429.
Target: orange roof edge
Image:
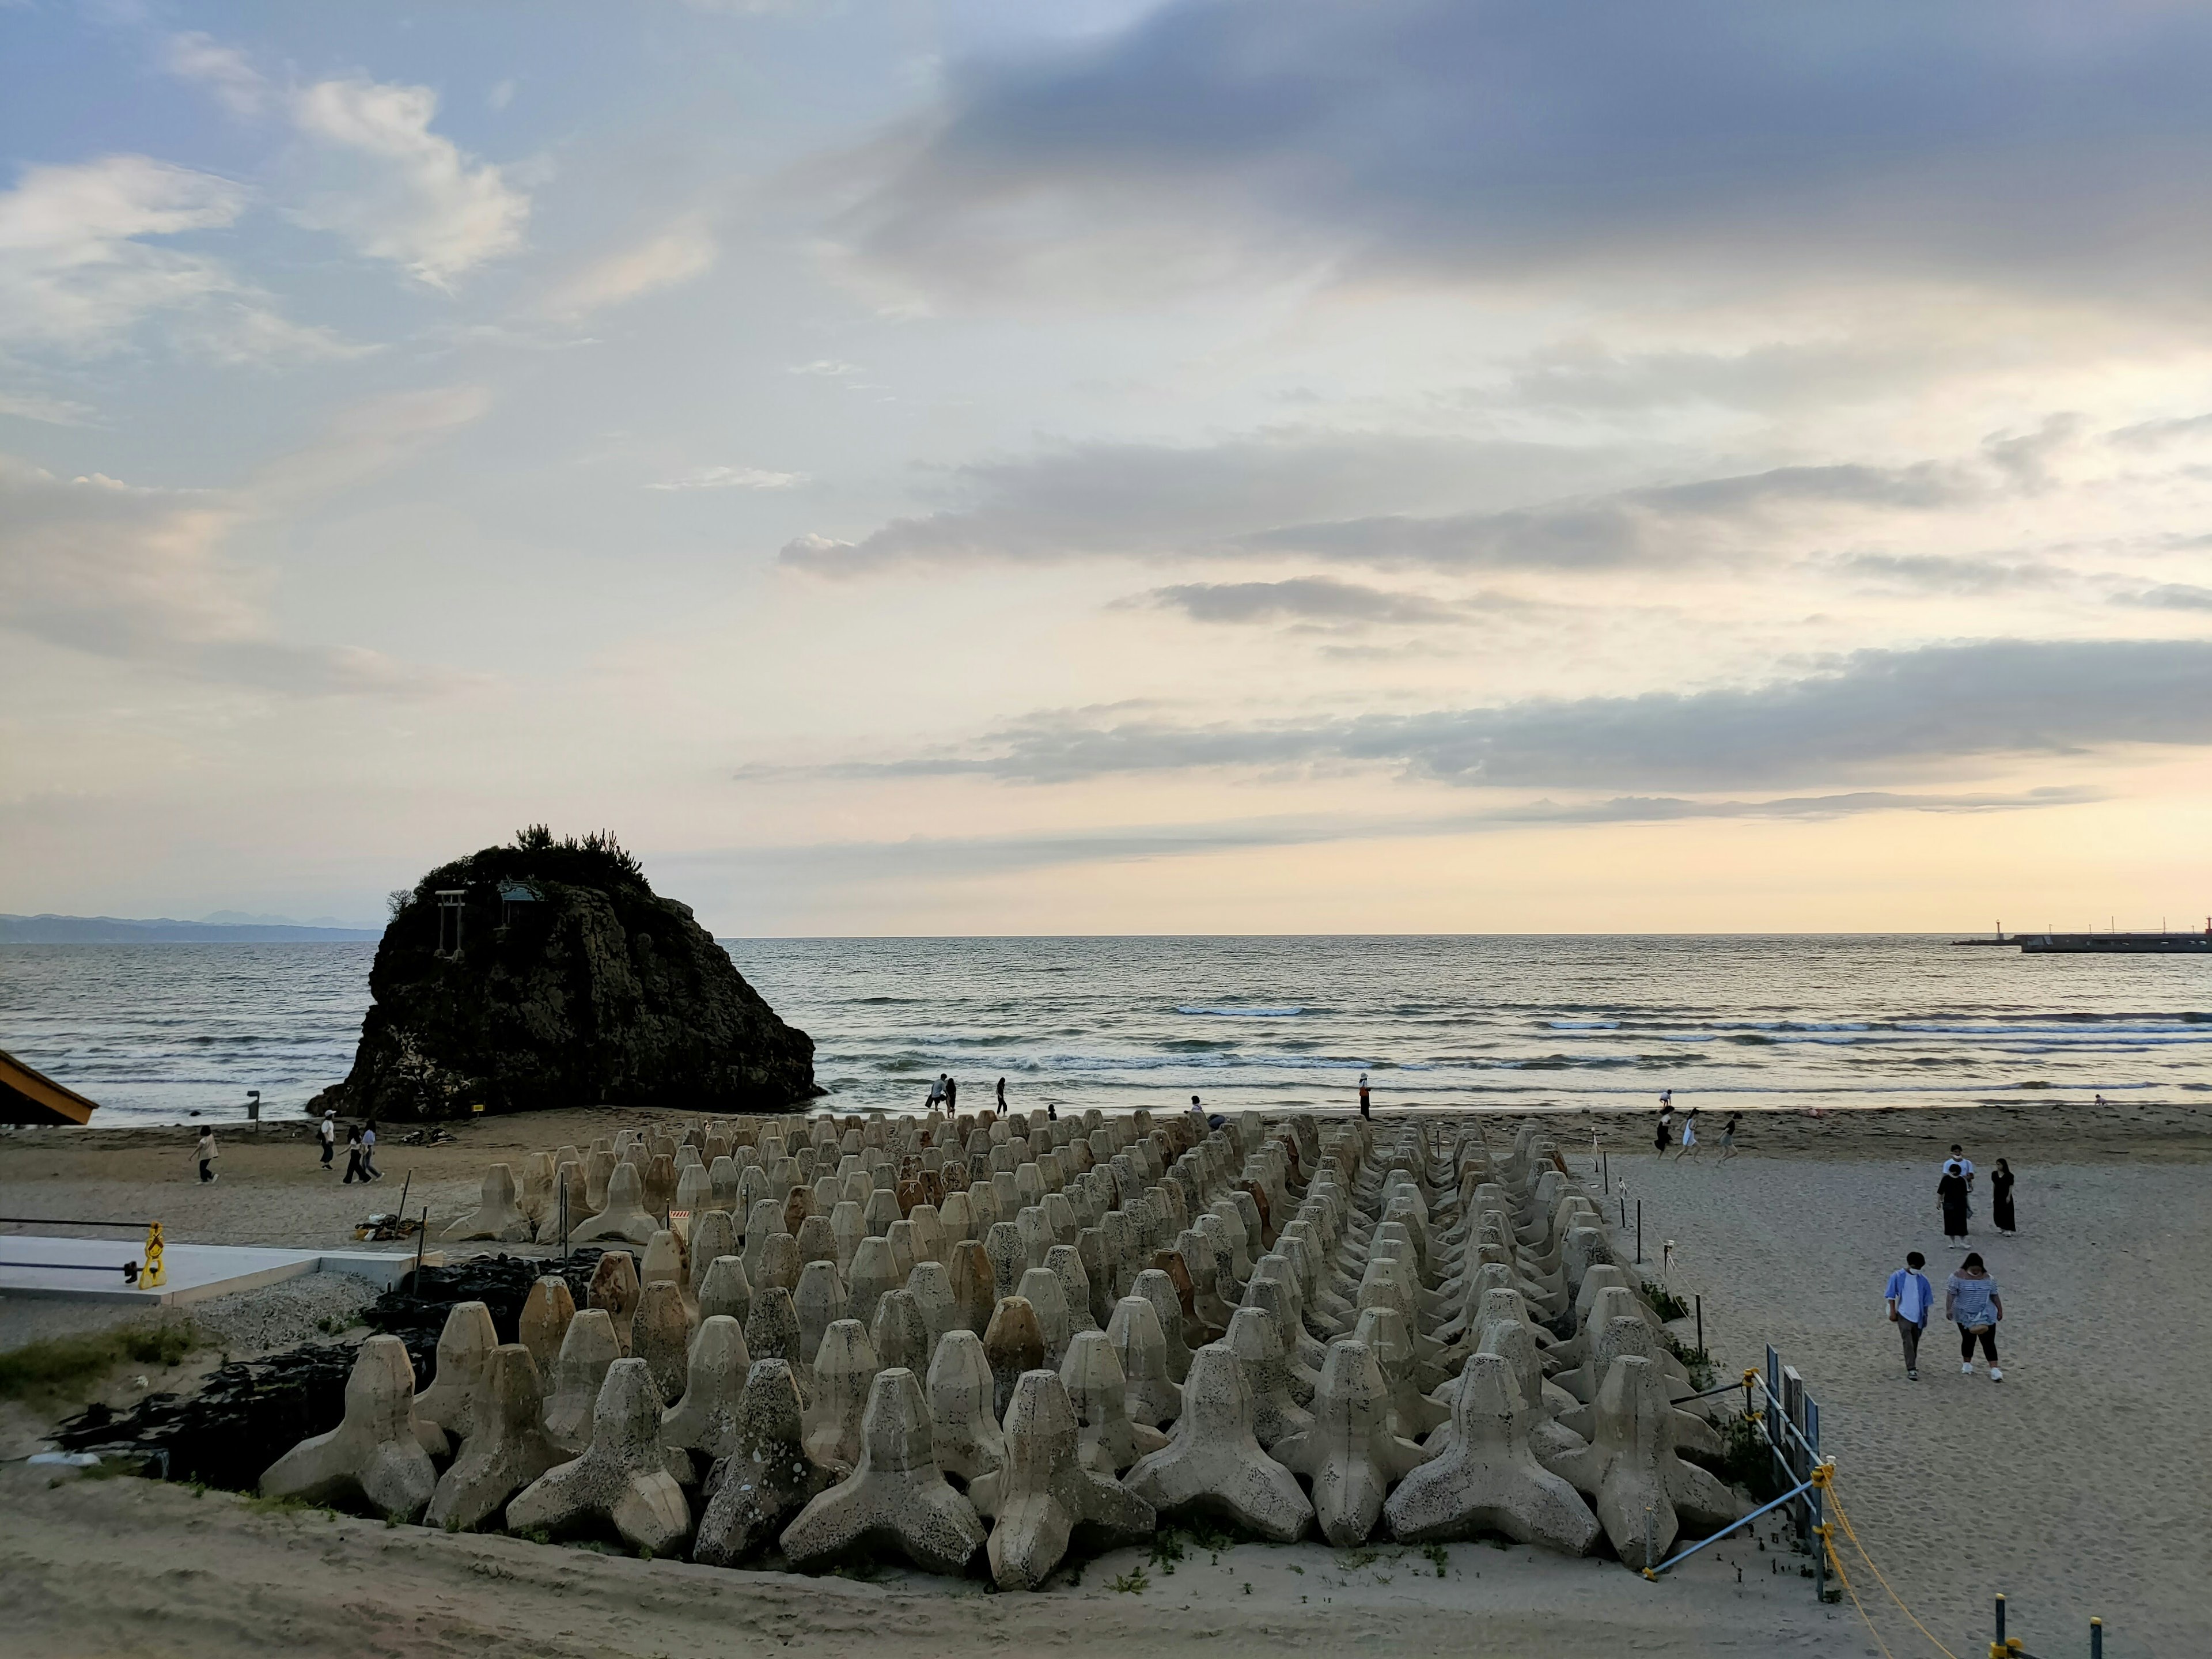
x: 21, y: 1088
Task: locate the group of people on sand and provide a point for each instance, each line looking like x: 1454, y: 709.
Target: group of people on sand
x: 1689, y: 1145
x: 1972, y: 1300
x: 361, y: 1150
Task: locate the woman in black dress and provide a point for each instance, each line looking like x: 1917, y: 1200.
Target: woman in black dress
x: 1952, y: 1191
x: 2000, y: 1192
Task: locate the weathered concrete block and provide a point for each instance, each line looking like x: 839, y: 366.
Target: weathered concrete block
x: 704, y: 1420
x: 498, y: 1214
x: 974, y: 1294
x: 820, y: 1303
x: 464, y: 1347
x: 1641, y: 1490
x: 660, y: 1335
x: 1275, y: 1415
x: 1045, y: 1491
x: 874, y: 1271
x: 1014, y: 1344
x: 1107, y: 1440
x: 1349, y: 1454
x: 768, y: 1477
x: 621, y: 1483
x: 844, y: 1367
x: 614, y: 1290
x: 1214, y: 1464
x: 1040, y: 1288
x: 624, y: 1214
x: 587, y: 1348
x: 897, y: 1333
x: 508, y: 1449
x: 772, y: 1333
x: 725, y: 1289
x: 1141, y: 1347
x: 964, y: 1427
x: 375, y: 1454
x: 543, y: 1322
x: 896, y: 1499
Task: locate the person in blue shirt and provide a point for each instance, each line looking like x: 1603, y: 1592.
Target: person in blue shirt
x: 1910, y: 1297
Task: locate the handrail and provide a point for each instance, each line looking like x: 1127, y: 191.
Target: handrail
x: 1652, y: 1573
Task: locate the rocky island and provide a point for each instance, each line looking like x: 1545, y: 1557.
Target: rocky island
x: 548, y: 974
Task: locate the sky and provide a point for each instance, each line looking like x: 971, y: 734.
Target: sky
x: 939, y: 467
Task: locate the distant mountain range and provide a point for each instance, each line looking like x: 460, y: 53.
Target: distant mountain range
x: 224, y: 927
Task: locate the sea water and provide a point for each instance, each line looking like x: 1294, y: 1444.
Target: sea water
x: 155, y: 1032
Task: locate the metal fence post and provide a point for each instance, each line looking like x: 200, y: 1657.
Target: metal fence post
x: 1816, y: 1501
x: 2096, y: 1638
x: 2001, y: 1635
x: 1639, y: 1232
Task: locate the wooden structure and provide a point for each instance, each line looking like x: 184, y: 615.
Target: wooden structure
x: 31, y: 1096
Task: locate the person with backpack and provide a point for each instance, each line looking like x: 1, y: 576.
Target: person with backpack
x: 1910, y: 1298
x: 1971, y: 1303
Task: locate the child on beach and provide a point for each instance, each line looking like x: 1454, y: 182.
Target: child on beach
x: 205, y: 1154
x: 1910, y: 1299
x: 1689, y: 1135
x: 1971, y: 1303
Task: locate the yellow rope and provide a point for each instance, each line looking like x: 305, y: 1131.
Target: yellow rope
x: 1845, y: 1522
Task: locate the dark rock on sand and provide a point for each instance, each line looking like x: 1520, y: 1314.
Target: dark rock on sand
x: 548, y: 975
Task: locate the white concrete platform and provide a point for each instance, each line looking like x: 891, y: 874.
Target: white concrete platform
x: 91, y: 1269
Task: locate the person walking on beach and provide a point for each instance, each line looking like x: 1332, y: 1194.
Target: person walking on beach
x: 952, y: 1093
x: 327, y: 1133
x: 1002, y: 1096
x: 1971, y: 1303
x: 1666, y: 1126
x: 1689, y: 1135
x: 1910, y: 1298
x: 1950, y: 1192
x: 2001, y: 1199
x: 1363, y: 1112
x: 1963, y: 1164
x: 369, y: 1170
x: 1727, y: 1136
x: 353, y: 1156
x: 205, y: 1154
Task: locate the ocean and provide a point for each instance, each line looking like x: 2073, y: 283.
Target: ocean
x: 157, y: 1032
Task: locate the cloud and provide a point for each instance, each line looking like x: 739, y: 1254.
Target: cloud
x: 1302, y: 599
x: 732, y: 477
x: 2168, y: 596
x: 142, y: 576
x: 1277, y: 495
x: 1940, y: 572
x: 668, y: 258
x: 827, y: 366
x: 224, y: 70
x: 1516, y: 142
x: 1875, y: 714
x: 399, y: 192
x: 924, y: 857
x: 78, y: 274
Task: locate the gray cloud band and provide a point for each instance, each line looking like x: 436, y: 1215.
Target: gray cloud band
x: 1877, y: 715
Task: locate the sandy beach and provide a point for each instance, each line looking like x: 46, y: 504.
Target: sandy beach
x: 2073, y: 1486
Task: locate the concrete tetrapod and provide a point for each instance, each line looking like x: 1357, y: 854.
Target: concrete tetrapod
x: 1487, y: 1477
x: 620, y: 1483
x: 768, y: 1477
x: 497, y: 1215
x: 705, y: 1420
x: 964, y: 1429
x: 1620, y: 1336
x: 375, y: 1454
x: 660, y: 1335
x: 897, y: 1333
x: 624, y: 1216
x: 1014, y: 1344
x: 725, y: 1289
x: 464, y: 1346
x: 772, y: 1333
x: 614, y: 1290
x: 1275, y: 1415
x: 1641, y: 1489
x: 586, y: 1351
x: 1106, y: 1439
x: 544, y: 1321
x: 844, y: 1367
x: 1046, y: 1492
x: 508, y: 1449
x: 1214, y: 1464
x: 820, y: 1303
x: 1135, y: 1331
x: 896, y: 1500
x: 1349, y: 1453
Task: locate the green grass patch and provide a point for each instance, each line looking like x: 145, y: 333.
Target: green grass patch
x: 1664, y: 1302
x: 65, y: 1364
